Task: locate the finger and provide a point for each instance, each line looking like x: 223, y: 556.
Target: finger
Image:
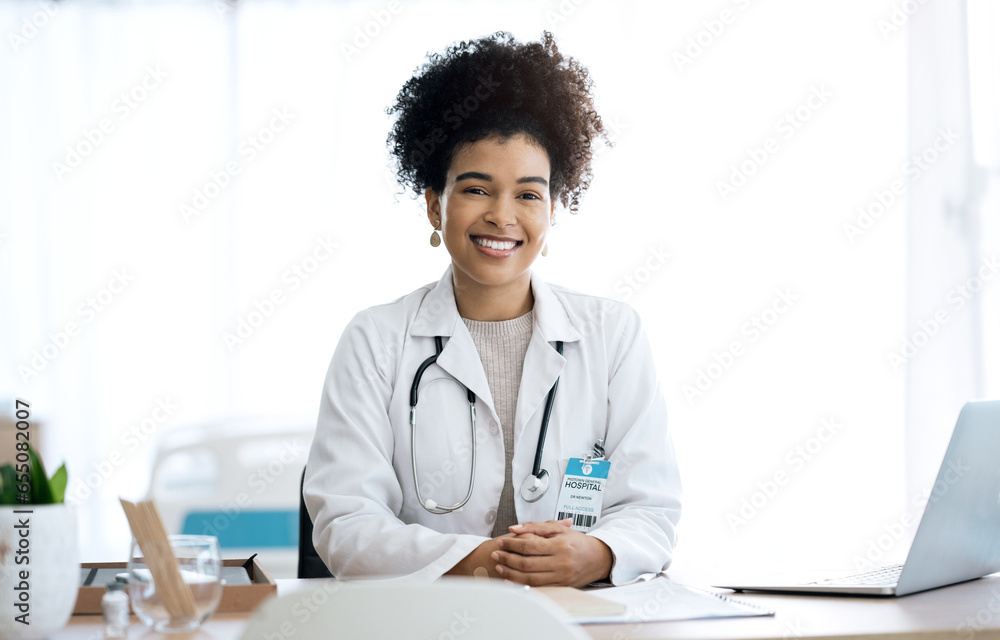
x: 546, y: 529
x: 527, y: 545
x: 525, y: 564
x: 534, y: 579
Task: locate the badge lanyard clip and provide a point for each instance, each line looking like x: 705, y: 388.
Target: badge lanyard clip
x: 598, y: 452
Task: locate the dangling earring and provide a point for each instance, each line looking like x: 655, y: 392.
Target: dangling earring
x: 552, y: 223
x: 435, y: 238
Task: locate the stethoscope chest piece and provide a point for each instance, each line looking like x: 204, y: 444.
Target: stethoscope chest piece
x: 534, y: 487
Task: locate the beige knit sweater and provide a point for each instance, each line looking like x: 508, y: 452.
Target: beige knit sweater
x: 501, y: 346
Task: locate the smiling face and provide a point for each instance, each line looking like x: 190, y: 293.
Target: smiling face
x: 494, y: 211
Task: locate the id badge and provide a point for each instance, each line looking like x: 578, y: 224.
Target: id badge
x: 582, y: 494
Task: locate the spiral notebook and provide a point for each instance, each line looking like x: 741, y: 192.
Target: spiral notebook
x: 656, y: 600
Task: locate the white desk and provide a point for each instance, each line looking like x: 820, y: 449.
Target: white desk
x: 970, y: 611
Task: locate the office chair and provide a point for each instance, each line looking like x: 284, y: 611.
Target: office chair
x: 206, y: 480
x: 310, y: 564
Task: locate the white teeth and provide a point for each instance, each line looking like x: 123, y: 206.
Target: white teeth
x: 495, y: 244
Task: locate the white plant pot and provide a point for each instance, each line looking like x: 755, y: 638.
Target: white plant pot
x: 50, y: 556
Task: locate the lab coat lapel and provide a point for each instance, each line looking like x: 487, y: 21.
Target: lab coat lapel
x: 461, y: 360
x: 438, y: 316
x: 542, y: 363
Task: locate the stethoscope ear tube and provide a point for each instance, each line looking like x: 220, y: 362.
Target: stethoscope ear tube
x: 420, y: 373
x: 535, y: 485
x: 430, y: 504
x: 536, y: 468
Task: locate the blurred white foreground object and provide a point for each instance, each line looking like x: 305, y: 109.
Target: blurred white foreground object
x: 469, y: 608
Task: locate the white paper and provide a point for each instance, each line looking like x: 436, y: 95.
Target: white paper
x: 661, y: 599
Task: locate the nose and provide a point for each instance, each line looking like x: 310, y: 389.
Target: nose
x: 502, y: 213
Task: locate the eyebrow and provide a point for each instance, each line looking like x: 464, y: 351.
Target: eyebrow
x: 476, y: 175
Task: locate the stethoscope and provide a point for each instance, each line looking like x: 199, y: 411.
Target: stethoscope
x: 533, y: 487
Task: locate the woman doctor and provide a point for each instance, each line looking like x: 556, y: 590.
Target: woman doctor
x: 443, y: 478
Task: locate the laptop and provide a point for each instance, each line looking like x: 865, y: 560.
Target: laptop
x: 958, y: 537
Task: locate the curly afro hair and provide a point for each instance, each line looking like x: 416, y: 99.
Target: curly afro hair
x: 495, y: 87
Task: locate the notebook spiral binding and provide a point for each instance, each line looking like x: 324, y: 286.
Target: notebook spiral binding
x: 733, y: 601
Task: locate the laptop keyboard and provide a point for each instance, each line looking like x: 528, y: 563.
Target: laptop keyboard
x: 882, y: 577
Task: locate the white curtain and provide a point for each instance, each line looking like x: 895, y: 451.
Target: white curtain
x: 165, y: 168
x: 953, y: 263
x: 984, y: 69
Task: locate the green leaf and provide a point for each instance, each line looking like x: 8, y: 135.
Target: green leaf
x: 58, y: 485
x: 8, y: 485
x: 40, y: 491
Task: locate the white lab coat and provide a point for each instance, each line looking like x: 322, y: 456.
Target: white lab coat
x: 359, y: 476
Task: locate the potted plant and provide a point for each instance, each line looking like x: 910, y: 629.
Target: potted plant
x: 39, y: 558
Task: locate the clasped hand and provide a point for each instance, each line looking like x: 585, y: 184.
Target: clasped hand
x: 551, y: 553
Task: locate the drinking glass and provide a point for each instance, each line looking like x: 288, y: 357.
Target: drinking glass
x: 201, y: 570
